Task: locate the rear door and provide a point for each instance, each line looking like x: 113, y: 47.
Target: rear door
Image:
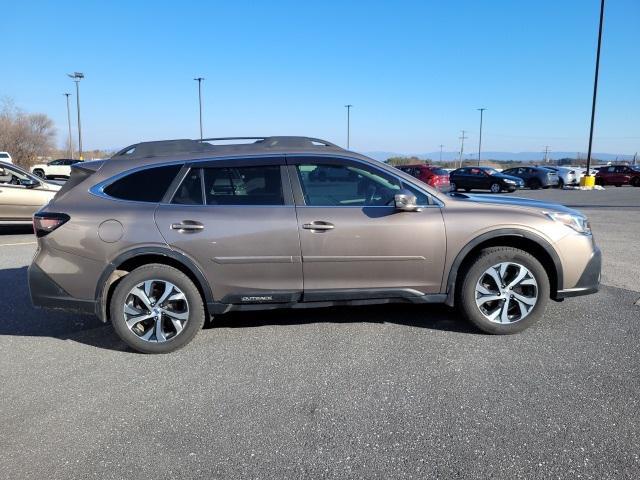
x: 238, y: 221
x: 354, y: 243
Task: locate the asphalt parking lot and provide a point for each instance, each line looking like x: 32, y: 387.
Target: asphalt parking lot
x: 377, y: 392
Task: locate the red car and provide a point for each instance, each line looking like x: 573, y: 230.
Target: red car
x: 618, y: 175
x: 430, y: 174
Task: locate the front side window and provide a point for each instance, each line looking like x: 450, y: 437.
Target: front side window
x: 345, y: 186
x: 258, y: 185
x: 325, y: 185
x: 148, y: 185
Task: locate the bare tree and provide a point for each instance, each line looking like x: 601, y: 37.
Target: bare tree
x: 26, y: 136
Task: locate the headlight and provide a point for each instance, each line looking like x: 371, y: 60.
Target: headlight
x: 512, y: 182
x: 577, y: 222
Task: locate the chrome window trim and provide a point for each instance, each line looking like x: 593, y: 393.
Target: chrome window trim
x: 98, y: 189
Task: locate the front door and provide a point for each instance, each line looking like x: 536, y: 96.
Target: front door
x: 238, y: 222
x: 355, y: 244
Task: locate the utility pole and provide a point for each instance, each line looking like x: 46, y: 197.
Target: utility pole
x: 595, y: 92
x: 69, y: 122
x: 199, y: 80
x: 546, y: 154
x: 481, y: 110
x: 348, y: 107
x: 462, y: 139
x: 635, y: 156
x: 441, y: 153
x: 76, y: 77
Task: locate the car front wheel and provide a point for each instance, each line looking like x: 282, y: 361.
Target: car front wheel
x: 156, y: 309
x: 505, y: 290
x: 495, y: 188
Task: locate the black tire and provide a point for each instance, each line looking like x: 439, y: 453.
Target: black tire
x: 495, y: 187
x: 156, y: 271
x: 535, y: 184
x: 466, y: 292
x: 560, y: 183
x: 467, y: 189
x: 38, y: 173
x: 453, y: 187
x: 635, y: 182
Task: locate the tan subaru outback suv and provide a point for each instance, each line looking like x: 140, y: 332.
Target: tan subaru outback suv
x: 164, y: 235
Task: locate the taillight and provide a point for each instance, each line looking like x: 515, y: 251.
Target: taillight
x: 46, y: 222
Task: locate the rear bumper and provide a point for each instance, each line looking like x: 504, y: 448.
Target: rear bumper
x: 46, y: 293
x: 589, y: 281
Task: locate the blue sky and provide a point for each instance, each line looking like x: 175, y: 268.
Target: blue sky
x: 414, y: 71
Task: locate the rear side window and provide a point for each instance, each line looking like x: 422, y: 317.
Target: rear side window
x: 259, y: 185
x: 439, y: 171
x: 148, y: 185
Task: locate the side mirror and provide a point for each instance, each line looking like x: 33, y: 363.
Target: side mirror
x: 405, y: 201
x: 28, y: 183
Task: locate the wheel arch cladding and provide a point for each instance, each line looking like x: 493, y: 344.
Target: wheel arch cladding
x: 523, y: 240
x: 132, y: 259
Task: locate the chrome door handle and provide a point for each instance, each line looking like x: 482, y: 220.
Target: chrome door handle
x: 318, y: 225
x: 187, y: 226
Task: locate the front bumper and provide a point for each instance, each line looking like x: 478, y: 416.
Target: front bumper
x: 46, y: 293
x: 589, y: 281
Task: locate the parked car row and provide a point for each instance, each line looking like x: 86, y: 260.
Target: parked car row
x: 511, y: 179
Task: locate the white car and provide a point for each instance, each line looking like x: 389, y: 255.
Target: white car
x: 566, y: 175
x: 54, y: 169
x: 5, y: 157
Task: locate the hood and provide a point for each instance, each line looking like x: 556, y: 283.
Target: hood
x: 514, y: 202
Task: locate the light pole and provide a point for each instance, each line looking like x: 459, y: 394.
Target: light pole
x: 588, y: 180
x: 199, y: 80
x: 441, y: 153
x: 76, y: 77
x: 348, y: 107
x: 69, y: 122
x: 546, y: 154
x: 462, y: 139
x: 481, y: 110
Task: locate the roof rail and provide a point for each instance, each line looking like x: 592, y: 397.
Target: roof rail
x: 186, y: 146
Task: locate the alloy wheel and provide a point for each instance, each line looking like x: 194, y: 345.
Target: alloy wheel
x: 506, y: 292
x: 156, y: 311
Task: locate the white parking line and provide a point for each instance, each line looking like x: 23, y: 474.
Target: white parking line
x: 14, y: 244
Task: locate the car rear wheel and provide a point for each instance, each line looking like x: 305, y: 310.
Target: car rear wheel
x: 495, y: 188
x: 505, y: 290
x: 535, y: 184
x: 453, y: 187
x: 635, y: 181
x: 39, y: 172
x: 156, y: 309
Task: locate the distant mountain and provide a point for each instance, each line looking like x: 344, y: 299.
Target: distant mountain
x: 499, y: 156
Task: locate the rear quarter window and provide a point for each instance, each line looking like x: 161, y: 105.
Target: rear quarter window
x: 148, y: 185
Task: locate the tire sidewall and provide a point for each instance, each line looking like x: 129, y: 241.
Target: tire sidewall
x: 497, y: 190
x: 157, y: 272
x: 486, y: 259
